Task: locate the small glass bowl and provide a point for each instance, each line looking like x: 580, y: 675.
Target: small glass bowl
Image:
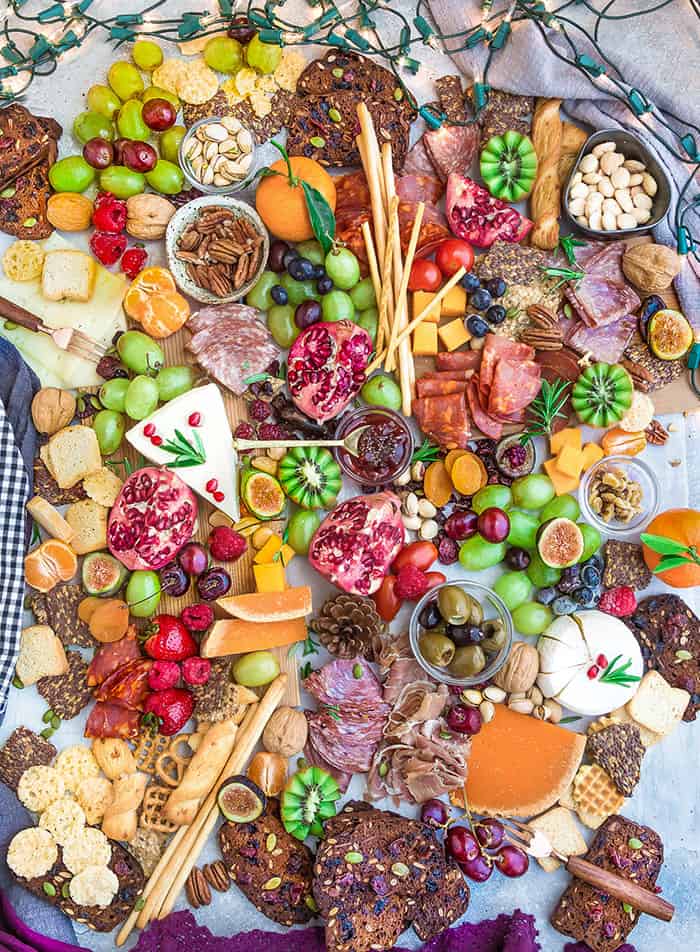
x: 635, y: 469
x: 350, y: 422
x: 186, y: 167
x: 494, y: 608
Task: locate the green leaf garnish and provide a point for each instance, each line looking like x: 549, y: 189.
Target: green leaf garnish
x: 427, y: 452
x: 320, y: 215
x: 613, y: 675
x: 545, y: 409
x: 186, y: 452
x: 567, y: 244
x: 564, y: 274
x: 662, y: 545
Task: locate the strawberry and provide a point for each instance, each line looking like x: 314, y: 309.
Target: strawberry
x: 168, y: 639
x: 196, y: 670
x: 133, y: 260
x: 171, y: 708
x: 109, y: 214
x: 163, y: 674
x: 107, y: 247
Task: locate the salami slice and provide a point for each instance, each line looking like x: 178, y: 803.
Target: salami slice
x: 436, y: 388
x: 487, y: 425
x: 418, y: 161
x: 496, y: 347
x: 444, y: 418
x: 458, y: 360
x: 452, y: 148
x: 514, y: 386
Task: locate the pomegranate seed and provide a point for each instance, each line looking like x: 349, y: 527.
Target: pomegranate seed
x: 219, y: 496
x: 601, y: 661
x: 149, y: 429
x: 212, y: 485
x: 194, y: 419
x: 593, y: 671
x: 156, y: 440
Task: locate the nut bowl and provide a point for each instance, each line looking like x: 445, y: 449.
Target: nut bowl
x: 196, y: 133
x: 494, y: 611
x: 635, y: 470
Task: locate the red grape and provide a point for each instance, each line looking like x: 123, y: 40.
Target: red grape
x: 479, y: 868
x: 98, y: 153
x: 464, y: 719
x: 461, y: 525
x: 494, y: 524
x: 194, y: 559
x: 139, y: 156
x: 307, y: 313
x: 158, y: 114
x: 512, y: 861
x: 118, y: 146
x: 517, y: 559
x: 461, y: 844
x: 434, y: 812
x: 489, y: 833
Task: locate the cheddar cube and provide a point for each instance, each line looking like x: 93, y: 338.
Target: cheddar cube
x: 569, y: 436
x: 591, y: 453
x: 421, y: 300
x: 454, y: 334
x: 268, y: 551
x: 454, y: 303
x: 425, y: 340
x: 287, y: 553
x: 270, y: 577
x: 562, y: 484
x: 570, y: 462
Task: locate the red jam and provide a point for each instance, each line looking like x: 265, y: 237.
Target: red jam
x: 384, y: 447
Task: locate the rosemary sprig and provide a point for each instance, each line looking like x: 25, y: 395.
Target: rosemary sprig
x: 564, y: 274
x: 545, y: 409
x: 427, y: 452
x: 305, y: 670
x: 567, y: 243
x: 333, y: 711
x: 186, y: 452
x: 613, y: 675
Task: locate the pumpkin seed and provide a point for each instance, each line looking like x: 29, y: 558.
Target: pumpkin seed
x: 65, y: 890
x: 55, y: 722
x: 357, y: 671
x: 272, y: 883
x: 47, y: 732
x: 683, y: 655
x: 8, y: 192
x: 270, y: 842
x: 311, y: 903
x: 29, y: 222
x: 46, y: 716
x: 317, y: 142
x: 334, y: 115
x: 139, y: 904
x: 49, y: 889
x: 338, y: 73
x: 634, y: 843
x: 16, y: 681
x: 353, y: 857
x: 383, y: 769
x: 628, y: 909
x: 398, y: 94
x: 400, y: 869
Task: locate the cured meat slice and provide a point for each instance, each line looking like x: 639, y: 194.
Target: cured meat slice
x: 558, y: 365
x: 231, y: 343
x: 496, y: 347
x: 111, y: 657
x: 452, y: 148
x: 314, y: 759
x: 602, y: 296
x: 458, y: 360
x: 107, y: 719
x: 128, y: 685
x: 514, y: 386
x: 606, y: 343
x: 444, y: 419
x: 436, y: 388
x: 487, y: 425
x: 418, y: 161
x: 463, y: 375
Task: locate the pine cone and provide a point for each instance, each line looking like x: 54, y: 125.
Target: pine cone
x: 348, y: 625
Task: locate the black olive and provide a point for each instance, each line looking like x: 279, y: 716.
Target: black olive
x: 650, y: 305
x: 430, y: 615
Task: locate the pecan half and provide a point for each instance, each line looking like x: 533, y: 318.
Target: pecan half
x: 656, y: 433
x: 197, y: 889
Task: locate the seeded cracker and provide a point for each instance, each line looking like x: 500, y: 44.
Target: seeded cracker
x: 217, y: 699
x: 663, y: 372
x: 625, y: 565
x: 45, y: 485
x: 217, y: 106
x: 452, y: 98
x: 505, y: 111
x: 23, y: 749
x: 67, y: 694
x: 619, y: 750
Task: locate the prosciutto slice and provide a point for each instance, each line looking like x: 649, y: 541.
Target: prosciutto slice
x: 602, y: 296
x: 605, y: 343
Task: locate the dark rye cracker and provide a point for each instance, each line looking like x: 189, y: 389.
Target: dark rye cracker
x: 661, y: 372
x: 45, y: 485
x: 619, y: 750
x: 59, y: 610
x: 25, y: 141
x: 344, y: 71
x: 625, y: 565
x: 23, y: 749
x: 67, y: 694
x: 216, y: 700
x: 505, y: 111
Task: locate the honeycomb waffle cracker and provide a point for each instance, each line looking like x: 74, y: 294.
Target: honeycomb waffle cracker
x: 607, y: 720
x: 149, y: 747
x: 154, y: 801
x: 594, y: 792
x: 172, y: 763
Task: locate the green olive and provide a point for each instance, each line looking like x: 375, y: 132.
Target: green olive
x: 454, y: 604
x: 467, y: 661
x: 436, y: 648
x: 476, y: 615
x: 495, y: 632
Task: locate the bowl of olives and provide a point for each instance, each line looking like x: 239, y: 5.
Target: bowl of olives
x: 461, y: 633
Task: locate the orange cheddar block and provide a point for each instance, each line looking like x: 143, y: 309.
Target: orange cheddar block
x: 454, y: 303
x: 591, y: 454
x: 519, y: 766
x: 425, y: 340
x: 569, y: 436
x: 570, y: 462
x: 454, y: 334
x: 270, y: 577
x: 287, y: 553
x: 235, y: 636
x: 562, y: 483
x: 268, y: 551
x: 421, y: 300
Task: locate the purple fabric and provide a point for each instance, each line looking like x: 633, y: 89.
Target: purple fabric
x: 16, y: 936
x: 179, y: 932
x: 582, y: 947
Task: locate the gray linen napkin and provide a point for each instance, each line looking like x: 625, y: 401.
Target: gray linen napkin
x: 657, y: 54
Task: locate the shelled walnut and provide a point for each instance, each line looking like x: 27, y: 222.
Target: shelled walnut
x: 613, y: 495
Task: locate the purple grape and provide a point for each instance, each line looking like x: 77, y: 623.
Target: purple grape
x: 307, y: 313
x: 213, y: 584
x: 275, y: 259
x: 174, y: 580
x: 194, y: 558
x: 517, y: 559
x: 434, y: 812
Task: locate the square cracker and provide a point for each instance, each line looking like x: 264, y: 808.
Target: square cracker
x: 88, y: 520
x: 648, y: 738
x: 560, y: 828
x: 656, y: 705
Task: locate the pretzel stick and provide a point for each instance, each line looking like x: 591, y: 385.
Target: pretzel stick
x: 376, y: 279
x: 248, y: 737
x: 410, y: 254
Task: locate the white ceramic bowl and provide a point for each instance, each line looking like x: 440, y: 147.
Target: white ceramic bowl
x: 635, y: 469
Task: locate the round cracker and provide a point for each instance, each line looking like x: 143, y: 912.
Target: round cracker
x: 198, y: 85
x: 39, y: 786
x: 94, y: 794
x: 63, y: 819
x: 103, y: 486
x: 32, y: 852
x: 88, y: 847
x: 94, y: 886
x: 75, y: 764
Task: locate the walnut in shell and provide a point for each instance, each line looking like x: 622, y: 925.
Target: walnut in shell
x: 651, y: 267
x: 69, y: 211
x: 52, y: 409
x: 148, y: 216
x: 520, y: 671
x: 285, y: 733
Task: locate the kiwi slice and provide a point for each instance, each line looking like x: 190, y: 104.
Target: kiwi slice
x: 240, y: 800
x: 602, y: 394
x: 308, y: 799
x: 508, y: 166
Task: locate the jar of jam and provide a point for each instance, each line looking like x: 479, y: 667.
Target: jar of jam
x: 384, y: 447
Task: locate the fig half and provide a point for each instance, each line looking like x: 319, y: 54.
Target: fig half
x: 240, y: 800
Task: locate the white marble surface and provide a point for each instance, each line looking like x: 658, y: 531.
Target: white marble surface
x: 669, y: 791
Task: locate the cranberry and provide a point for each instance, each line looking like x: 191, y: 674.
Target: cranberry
x: 512, y: 861
x: 434, y: 812
x: 494, y: 524
x: 489, y: 833
x: 193, y: 559
x: 464, y: 719
x: 461, y: 844
x: 478, y: 869
x: 461, y: 524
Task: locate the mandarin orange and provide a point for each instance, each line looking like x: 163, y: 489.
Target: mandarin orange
x: 154, y: 302
x: 281, y: 204
x: 682, y: 526
x: 50, y: 563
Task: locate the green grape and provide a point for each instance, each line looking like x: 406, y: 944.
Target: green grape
x: 531, y: 618
x: 169, y: 143
x: 125, y: 80
x: 92, y: 125
x: 121, y: 181
x: 223, y: 54
x: 109, y: 427
x: 362, y: 295
x: 369, y: 320
x: 382, y: 390
x: 541, y: 575
x: 174, y: 381
x: 71, y: 174
x: 533, y: 491
x: 493, y: 495
x: 113, y: 392
x: 337, y: 306
x: 343, y: 268
x: 514, y: 588
x: 147, y: 55
x: 280, y: 323
x: 591, y: 540
x: 155, y: 92
x: 300, y: 529
x: 143, y: 593
x: 141, y: 397
x: 259, y: 295
x: 130, y: 122
x: 166, y: 177
x: 101, y: 99
x: 561, y: 507
x: 477, y: 554
x: 139, y: 352
x: 265, y: 57
x: 311, y: 250
x: 298, y: 291
x: 255, y: 669
x: 523, y: 529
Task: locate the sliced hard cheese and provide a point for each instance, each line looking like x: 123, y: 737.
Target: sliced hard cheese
x: 425, y: 340
x: 235, y: 636
x: 520, y: 766
x: 214, y: 432
x: 421, y: 300
x: 454, y: 303
x: 269, y: 607
x: 454, y: 334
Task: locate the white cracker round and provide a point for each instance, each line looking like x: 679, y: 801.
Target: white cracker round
x: 39, y: 786
x: 88, y: 847
x: 32, y: 852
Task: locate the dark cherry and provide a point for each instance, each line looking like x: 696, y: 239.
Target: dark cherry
x: 99, y: 153
x: 461, y: 524
x: 275, y: 259
x: 174, y: 580
x: 517, y: 559
x: 307, y: 313
x: 213, y: 584
x: 139, y: 156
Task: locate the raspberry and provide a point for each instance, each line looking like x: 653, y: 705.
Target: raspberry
x: 163, y: 675
x: 197, y: 617
x: 258, y: 410
x: 244, y: 431
x: 411, y: 583
x: 196, y: 670
x: 107, y: 247
x: 618, y: 601
x: 226, y: 544
x: 448, y: 550
x: 133, y: 261
x: 109, y: 214
x: 272, y: 431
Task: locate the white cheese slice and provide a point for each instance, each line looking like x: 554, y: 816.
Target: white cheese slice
x: 214, y: 432
x: 555, y: 683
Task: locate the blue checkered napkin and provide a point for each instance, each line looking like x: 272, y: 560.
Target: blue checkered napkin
x: 14, y: 494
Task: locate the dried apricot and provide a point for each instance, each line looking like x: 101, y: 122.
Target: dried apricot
x: 437, y: 484
x: 452, y: 458
x: 617, y: 441
x: 469, y: 474
x: 110, y: 620
x: 87, y: 608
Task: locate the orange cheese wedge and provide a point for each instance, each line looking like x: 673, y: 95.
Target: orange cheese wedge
x: 233, y: 636
x: 269, y: 606
x: 519, y: 765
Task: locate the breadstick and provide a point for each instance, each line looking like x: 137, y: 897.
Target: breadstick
x: 120, y: 817
x: 545, y: 200
x: 572, y: 139
x: 201, y: 773
x: 408, y: 263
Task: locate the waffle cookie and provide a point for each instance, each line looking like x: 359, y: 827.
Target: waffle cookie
x: 594, y: 792
x: 154, y: 800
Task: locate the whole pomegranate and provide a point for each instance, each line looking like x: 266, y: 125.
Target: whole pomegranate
x: 479, y: 218
x: 357, y: 542
x: 152, y: 519
x: 326, y: 367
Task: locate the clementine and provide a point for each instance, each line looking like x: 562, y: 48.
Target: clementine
x: 683, y: 526
x: 50, y: 563
x: 280, y: 200
x: 154, y: 302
